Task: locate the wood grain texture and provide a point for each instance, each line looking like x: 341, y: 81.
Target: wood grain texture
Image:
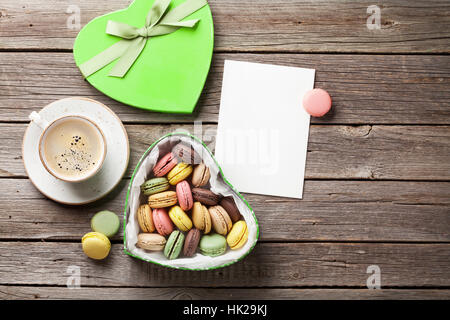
x: 268, y: 265
x: 366, y: 89
x: 61, y: 293
x: 329, y: 211
x: 334, y: 152
x: 390, y: 121
x: 249, y: 25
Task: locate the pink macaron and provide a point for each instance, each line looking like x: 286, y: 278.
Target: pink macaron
x: 165, y: 164
x: 184, y: 195
x: 162, y: 222
x: 317, y: 102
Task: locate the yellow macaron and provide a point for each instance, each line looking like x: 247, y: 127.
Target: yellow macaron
x: 201, y: 217
x: 96, y: 245
x: 179, y: 173
x: 145, y: 218
x: 238, y: 235
x: 180, y: 218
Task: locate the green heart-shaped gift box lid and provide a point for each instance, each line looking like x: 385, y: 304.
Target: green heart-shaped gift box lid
x: 170, y: 72
x: 246, y: 211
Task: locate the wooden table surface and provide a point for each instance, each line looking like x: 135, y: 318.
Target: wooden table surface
x: 377, y: 189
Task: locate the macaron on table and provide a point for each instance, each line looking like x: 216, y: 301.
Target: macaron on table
x: 317, y: 102
x: 181, y: 212
x: 105, y: 222
x: 96, y: 245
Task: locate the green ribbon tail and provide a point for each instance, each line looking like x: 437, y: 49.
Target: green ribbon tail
x: 128, y: 57
x: 104, y: 58
x: 179, y: 24
x: 183, y: 10
x: 156, y: 12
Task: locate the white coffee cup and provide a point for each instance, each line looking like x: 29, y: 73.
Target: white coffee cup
x: 63, y: 151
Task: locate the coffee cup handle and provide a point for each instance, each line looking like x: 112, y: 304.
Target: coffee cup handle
x: 38, y: 120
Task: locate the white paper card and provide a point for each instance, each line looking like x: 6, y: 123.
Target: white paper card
x: 262, y: 135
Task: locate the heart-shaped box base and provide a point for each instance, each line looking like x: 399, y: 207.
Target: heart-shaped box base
x: 170, y: 72
x: 219, y: 185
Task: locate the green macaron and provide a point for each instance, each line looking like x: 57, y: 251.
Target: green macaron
x: 155, y: 185
x: 105, y: 222
x: 213, y: 245
x: 174, y: 245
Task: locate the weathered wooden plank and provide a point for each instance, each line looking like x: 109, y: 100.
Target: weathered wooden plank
x: 366, y: 89
x: 61, y: 293
x: 329, y: 211
x: 269, y: 265
x: 289, y: 25
x: 334, y: 152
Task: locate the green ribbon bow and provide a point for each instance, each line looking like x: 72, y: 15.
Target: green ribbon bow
x: 159, y: 22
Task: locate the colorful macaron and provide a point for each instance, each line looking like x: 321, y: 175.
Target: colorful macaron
x: 165, y: 164
x: 220, y: 219
x: 201, y: 217
x: 151, y: 241
x: 238, y: 235
x: 205, y: 196
x: 200, y: 175
x: 163, y: 199
x: 96, y: 245
x: 145, y: 218
x: 162, y: 222
x: 191, y: 242
x: 106, y: 222
x: 231, y: 208
x: 180, y: 172
x: 184, y: 195
x: 180, y: 218
x: 181, y: 209
x: 186, y: 153
x: 213, y: 245
x: 155, y: 185
x: 317, y: 102
x: 174, y: 245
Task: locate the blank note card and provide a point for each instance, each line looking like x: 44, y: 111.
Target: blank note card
x: 263, y: 129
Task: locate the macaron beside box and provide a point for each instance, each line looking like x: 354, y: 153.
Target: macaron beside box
x: 181, y: 212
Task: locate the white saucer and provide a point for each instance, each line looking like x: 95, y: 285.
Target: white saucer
x: 114, y: 166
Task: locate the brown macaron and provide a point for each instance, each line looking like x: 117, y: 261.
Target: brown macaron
x: 186, y: 153
x: 201, y: 217
x: 163, y: 199
x: 206, y: 196
x: 230, y: 206
x: 201, y: 175
x: 221, y: 221
x: 145, y: 219
x: 191, y: 242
